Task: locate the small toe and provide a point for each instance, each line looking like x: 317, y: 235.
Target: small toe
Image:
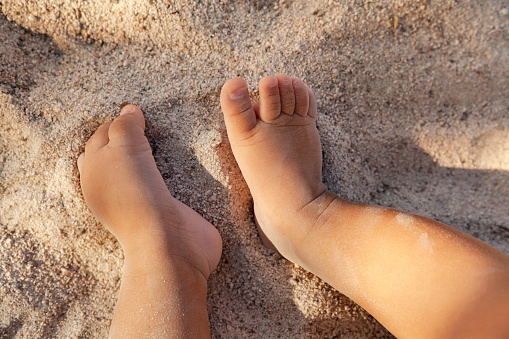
x: 99, y: 139
x: 301, y: 96
x: 313, y: 106
x: 270, y: 100
x: 128, y: 128
x: 286, y: 93
x: 239, y: 115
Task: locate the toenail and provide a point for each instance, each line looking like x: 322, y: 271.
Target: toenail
x: 238, y: 94
x: 286, y: 82
x: 128, y: 109
x: 296, y: 83
x: 272, y: 84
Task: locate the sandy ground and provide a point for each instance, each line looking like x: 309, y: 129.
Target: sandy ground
x: 414, y: 114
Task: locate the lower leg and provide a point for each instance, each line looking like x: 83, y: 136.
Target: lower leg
x: 160, y: 297
x: 418, y: 277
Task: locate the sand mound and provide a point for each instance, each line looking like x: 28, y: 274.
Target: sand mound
x: 414, y: 115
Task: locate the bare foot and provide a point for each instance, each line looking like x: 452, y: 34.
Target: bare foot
x: 277, y: 146
x: 125, y: 191
x: 392, y: 263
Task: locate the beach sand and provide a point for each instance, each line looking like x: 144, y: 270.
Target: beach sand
x: 414, y: 114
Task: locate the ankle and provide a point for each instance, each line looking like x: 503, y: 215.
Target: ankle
x: 319, y: 210
x: 158, y: 259
x: 310, y: 225
x: 313, y: 215
x: 161, y: 248
x: 290, y: 229
x: 142, y: 239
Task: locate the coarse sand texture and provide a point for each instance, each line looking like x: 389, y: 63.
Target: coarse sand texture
x: 413, y: 103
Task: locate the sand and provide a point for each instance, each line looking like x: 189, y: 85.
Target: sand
x: 414, y: 114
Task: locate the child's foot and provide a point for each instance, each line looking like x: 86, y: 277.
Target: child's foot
x: 125, y: 191
x: 277, y: 146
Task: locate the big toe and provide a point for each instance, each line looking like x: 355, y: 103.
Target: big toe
x: 129, y: 127
x: 239, y: 115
